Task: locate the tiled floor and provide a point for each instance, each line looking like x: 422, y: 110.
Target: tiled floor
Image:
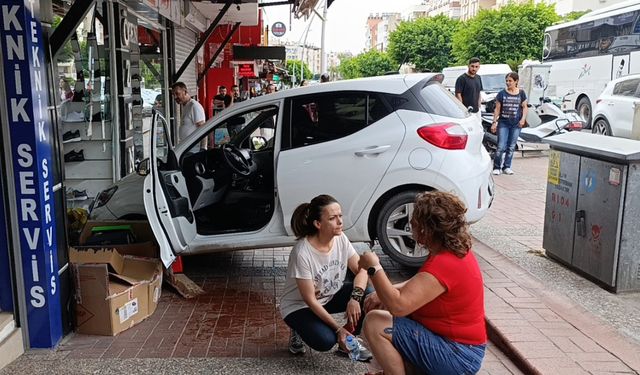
x: 236, y: 317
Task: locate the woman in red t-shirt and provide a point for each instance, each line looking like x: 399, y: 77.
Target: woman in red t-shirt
x: 435, y: 320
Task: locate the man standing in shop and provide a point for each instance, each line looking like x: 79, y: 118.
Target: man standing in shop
x: 235, y: 91
x: 469, y: 85
x: 192, y: 112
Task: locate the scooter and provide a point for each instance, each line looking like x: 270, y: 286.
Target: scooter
x: 543, y: 120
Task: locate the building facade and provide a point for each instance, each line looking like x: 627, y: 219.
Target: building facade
x: 449, y: 8
x: 469, y: 8
x: 378, y: 28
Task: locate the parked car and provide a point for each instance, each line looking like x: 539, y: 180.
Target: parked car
x: 613, y: 114
x: 371, y: 143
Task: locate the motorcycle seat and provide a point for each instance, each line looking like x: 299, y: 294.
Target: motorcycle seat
x: 533, y: 120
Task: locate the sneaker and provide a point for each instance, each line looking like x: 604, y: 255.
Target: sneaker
x: 71, y: 136
x: 496, y: 172
x: 508, y: 171
x: 364, y: 355
x: 296, y: 345
x: 72, y: 156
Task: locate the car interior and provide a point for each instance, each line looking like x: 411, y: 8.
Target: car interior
x: 230, y: 177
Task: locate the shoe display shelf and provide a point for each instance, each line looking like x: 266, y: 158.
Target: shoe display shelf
x: 93, y: 172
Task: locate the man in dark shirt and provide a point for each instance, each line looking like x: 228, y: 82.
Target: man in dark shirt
x: 469, y: 85
x: 222, y: 100
x: 235, y: 91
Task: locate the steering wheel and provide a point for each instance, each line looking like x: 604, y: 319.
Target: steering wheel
x: 237, y: 159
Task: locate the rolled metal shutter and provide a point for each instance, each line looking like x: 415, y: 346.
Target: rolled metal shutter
x: 185, y: 41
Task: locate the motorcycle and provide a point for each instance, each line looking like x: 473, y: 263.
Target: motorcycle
x: 543, y: 120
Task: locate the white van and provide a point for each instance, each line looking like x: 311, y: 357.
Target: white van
x: 492, y: 76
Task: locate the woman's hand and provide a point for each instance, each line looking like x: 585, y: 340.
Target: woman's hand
x: 494, y: 128
x: 368, y: 259
x: 372, y: 302
x: 353, y: 313
x: 342, y: 337
x: 521, y: 123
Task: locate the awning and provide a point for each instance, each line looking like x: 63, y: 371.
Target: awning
x: 244, y: 11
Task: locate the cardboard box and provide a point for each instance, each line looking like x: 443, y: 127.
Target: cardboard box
x: 113, y: 291
x: 145, y: 245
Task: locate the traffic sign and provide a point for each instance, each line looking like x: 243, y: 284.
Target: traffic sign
x: 278, y: 29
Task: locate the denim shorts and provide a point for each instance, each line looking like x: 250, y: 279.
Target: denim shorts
x: 434, y: 354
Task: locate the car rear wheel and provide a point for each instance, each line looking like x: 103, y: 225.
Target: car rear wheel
x: 601, y: 126
x: 394, y: 231
x: 584, y: 110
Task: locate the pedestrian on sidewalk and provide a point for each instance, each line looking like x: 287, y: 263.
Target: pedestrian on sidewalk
x: 315, y: 285
x: 434, y: 321
x: 469, y: 86
x: 193, y: 115
x: 508, y: 118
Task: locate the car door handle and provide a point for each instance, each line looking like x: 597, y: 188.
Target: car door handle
x: 373, y: 150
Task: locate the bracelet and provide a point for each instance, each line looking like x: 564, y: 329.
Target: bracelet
x: 338, y: 330
x: 357, y: 294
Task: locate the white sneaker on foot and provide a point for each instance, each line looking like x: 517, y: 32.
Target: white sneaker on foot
x: 508, y: 171
x: 496, y: 172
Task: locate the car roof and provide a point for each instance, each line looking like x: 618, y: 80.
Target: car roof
x: 393, y: 84
x: 625, y: 78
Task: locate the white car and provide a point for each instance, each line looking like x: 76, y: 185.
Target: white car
x: 370, y: 143
x: 613, y: 114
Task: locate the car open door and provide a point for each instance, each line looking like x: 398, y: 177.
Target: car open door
x: 166, y: 199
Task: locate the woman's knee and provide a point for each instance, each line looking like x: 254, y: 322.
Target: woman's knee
x: 375, y: 322
x: 322, y: 343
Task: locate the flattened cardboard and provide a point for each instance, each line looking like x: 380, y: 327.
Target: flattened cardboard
x: 113, y: 292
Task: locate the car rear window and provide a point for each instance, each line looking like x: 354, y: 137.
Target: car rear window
x: 439, y: 101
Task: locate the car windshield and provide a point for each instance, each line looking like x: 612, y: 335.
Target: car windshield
x: 492, y: 82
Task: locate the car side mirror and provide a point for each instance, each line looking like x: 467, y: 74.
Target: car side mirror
x: 144, y: 167
x: 258, y: 142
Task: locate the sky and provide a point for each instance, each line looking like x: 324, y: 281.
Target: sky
x: 346, y: 22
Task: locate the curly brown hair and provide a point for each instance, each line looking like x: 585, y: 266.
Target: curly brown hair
x: 439, y: 218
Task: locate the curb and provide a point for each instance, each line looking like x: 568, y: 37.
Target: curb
x: 501, y: 342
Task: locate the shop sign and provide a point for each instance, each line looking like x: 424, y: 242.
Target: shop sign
x: 29, y: 127
x: 278, y: 29
x: 128, y: 31
x: 246, y: 70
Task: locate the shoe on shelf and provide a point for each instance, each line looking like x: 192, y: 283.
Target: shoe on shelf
x: 71, y: 136
x: 508, y: 171
x: 364, y: 355
x: 496, y: 172
x: 296, y: 345
x: 73, y: 156
x: 77, y: 195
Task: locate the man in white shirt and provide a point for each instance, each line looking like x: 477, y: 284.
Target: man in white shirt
x: 192, y: 112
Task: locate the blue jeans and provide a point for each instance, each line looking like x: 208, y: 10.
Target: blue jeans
x: 507, y: 139
x: 313, y: 330
x: 434, y: 354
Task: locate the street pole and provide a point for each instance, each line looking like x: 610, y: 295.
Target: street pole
x: 323, y: 51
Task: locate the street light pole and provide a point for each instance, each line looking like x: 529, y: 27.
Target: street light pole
x: 323, y: 51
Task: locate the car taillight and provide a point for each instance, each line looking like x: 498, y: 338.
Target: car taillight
x: 575, y: 126
x: 104, y: 197
x: 449, y: 136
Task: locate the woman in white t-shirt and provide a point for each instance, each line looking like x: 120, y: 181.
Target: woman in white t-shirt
x: 316, y: 287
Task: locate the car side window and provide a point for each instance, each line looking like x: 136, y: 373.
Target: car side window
x: 322, y: 118
x: 626, y: 88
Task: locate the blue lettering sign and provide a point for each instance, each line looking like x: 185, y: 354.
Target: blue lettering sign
x: 30, y: 130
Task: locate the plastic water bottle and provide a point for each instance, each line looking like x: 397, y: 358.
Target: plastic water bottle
x: 353, y: 348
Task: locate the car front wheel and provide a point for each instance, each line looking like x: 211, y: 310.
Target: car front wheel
x: 601, y: 126
x: 394, y: 231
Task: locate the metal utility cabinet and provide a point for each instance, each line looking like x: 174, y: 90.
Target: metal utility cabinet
x: 592, y: 215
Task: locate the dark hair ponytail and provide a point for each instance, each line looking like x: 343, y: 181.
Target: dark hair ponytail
x: 305, y: 214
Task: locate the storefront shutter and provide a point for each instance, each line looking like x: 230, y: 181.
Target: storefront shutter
x: 185, y: 41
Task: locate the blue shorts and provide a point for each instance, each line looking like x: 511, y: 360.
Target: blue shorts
x: 434, y: 354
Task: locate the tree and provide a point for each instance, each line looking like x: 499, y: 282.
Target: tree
x: 349, y: 68
x: 507, y: 35
x: 367, y: 64
x: 293, y: 67
x: 66, y: 54
x: 375, y: 63
x: 425, y: 42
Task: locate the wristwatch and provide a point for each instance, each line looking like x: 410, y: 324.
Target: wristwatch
x: 372, y: 270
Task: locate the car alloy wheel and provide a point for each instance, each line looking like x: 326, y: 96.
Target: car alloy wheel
x: 601, y: 127
x: 394, y: 230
